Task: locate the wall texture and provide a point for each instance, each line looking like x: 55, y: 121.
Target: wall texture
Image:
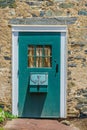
x: 77, y: 46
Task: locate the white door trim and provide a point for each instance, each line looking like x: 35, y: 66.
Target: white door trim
x: 63, y: 78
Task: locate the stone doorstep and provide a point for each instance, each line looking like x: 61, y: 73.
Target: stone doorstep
x: 36, y: 124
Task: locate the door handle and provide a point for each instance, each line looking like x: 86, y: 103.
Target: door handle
x: 56, y: 68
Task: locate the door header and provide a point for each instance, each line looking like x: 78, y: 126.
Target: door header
x: 39, y: 28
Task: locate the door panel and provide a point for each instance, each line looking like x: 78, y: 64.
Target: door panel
x: 39, y: 75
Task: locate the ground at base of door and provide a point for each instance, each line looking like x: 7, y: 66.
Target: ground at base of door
x: 36, y: 124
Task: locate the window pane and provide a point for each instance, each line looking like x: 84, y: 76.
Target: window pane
x: 31, y: 62
x: 47, y: 62
x: 39, y: 62
x: 31, y: 50
x: 39, y: 51
x: 39, y: 56
x: 47, y: 50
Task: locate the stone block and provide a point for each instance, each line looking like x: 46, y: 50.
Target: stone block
x: 84, y: 109
x: 66, y: 5
x: 7, y: 58
x: 69, y: 73
x: 78, y: 43
x: 72, y: 65
x: 85, y: 51
x: 82, y: 12
x: 70, y: 58
x: 71, y: 20
x: 42, y: 13
x: 82, y: 91
x: 1, y: 105
x: 79, y: 57
x: 34, y: 3
x: 69, y: 52
x: 44, y: 21
x: 50, y: 3
x: 86, y: 4
x: 5, y: 3
x: 59, y: 0
x: 82, y: 100
x: 65, y: 122
x: 49, y: 13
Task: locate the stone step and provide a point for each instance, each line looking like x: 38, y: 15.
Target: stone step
x: 35, y: 124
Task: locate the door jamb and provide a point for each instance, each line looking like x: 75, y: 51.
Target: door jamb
x: 63, y: 72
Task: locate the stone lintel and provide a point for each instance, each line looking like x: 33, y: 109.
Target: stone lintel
x: 43, y: 21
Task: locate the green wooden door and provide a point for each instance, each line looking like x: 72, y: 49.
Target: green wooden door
x: 39, y: 74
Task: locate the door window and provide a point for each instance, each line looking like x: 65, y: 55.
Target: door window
x: 39, y: 56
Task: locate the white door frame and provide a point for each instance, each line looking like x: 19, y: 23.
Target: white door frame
x: 63, y: 72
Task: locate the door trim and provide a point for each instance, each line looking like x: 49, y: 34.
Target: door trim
x: 63, y: 72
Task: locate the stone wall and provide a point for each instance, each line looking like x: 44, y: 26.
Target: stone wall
x: 77, y: 46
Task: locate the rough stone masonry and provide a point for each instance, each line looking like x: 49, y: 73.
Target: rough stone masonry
x: 74, y: 15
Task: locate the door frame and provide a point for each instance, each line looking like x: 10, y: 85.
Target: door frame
x: 63, y: 72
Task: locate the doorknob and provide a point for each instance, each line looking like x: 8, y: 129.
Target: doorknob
x: 56, y: 68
